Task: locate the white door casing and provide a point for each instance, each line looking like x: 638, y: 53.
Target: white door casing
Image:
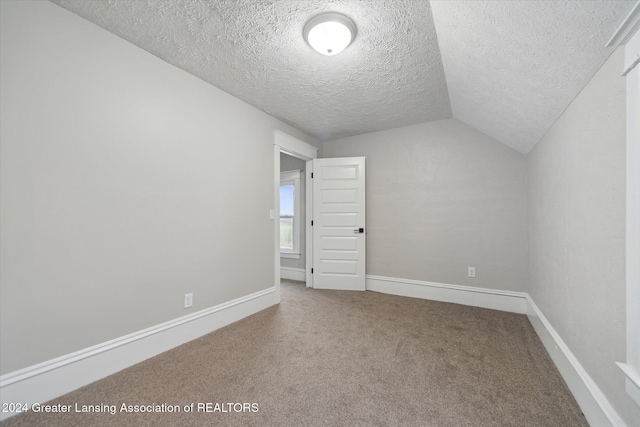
x: 287, y: 144
x: 339, y: 238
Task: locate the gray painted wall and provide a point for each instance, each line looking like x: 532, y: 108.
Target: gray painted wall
x: 577, y: 230
x: 441, y: 197
x: 118, y: 170
x: 125, y: 183
x: 289, y: 163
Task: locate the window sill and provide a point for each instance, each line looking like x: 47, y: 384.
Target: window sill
x: 289, y: 255
x: 632, y: 382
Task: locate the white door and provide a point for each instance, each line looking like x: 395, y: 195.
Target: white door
x: 339, y: 238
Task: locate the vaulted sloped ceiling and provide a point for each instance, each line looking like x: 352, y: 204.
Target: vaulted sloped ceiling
x: 513, y: 67
x: 508, y: 68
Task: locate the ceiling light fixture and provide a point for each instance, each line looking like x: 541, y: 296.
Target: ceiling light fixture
x: 329, y: 33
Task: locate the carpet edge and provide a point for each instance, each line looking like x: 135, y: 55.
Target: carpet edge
x: 53, y: 378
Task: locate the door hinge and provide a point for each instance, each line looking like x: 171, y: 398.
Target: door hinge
x: 312, y: 271
x: 311, y: 175
x: 312, y: 223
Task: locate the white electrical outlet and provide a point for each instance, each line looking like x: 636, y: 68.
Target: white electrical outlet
x: 472, y: 272
x: 188, y: 300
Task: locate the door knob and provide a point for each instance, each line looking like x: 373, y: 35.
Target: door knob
x: 359, y: 230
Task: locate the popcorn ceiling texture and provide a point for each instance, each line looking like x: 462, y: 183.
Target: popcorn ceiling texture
x: 390, y: 76
x: 512, y: 67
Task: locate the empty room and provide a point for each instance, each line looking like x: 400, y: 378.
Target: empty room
x: 320, y: 212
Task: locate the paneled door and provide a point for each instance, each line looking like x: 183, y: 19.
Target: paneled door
x: 339, y: 238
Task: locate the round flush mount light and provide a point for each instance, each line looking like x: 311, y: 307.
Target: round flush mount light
x: 329, y: 33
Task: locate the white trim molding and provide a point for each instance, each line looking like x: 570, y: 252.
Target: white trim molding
x: 632, y: 381
x: 287, y: 144
x: 627, y: 29
x: 292, y: 273
x: 628, y: 35
x: 293, y: 146
x: 594, y: 405
x: 293, y: 178
x: 48, y: 380
x: 513, y: 302
x: 308, y: 220
x: 631, y: 367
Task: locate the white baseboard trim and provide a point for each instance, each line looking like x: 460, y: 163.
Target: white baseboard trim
x: 593, y: 403
x: 292, y: 273
x: 48, y: 380
x: 514, y: 302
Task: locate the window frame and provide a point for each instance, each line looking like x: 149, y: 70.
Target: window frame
x: 293, y: 178
x: 631, y: 368
x: 628, y: 35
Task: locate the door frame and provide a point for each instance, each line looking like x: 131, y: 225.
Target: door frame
x: 287, y: 144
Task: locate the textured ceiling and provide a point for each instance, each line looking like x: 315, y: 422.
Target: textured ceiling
x: 511, y: 67
x: 390, y: 76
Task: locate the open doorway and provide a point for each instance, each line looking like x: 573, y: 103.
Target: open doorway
x: 292, y: 218
x: 335, y: 202
x: 297, y: 150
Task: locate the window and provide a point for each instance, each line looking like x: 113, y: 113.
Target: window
x: 290, y: 214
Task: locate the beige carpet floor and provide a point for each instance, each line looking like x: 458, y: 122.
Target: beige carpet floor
x: 335, y: 358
